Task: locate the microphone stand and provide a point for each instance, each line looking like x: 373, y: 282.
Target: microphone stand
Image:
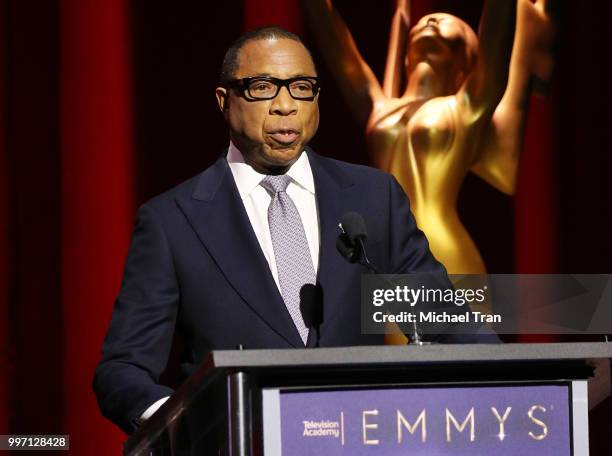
x: 363, y: 258
x: 415, y: 337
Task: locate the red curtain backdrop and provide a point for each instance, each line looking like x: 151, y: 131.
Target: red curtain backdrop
x: 536, y: 199
x: 285, y: 13
x: 97, y: 169
x: 4, y: 221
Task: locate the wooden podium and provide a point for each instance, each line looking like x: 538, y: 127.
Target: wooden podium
x: 443, y: 399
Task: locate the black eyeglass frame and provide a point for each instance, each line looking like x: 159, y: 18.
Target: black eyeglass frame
x: 243, y: 85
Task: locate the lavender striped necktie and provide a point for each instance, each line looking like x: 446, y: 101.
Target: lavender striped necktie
x: 293, y: 260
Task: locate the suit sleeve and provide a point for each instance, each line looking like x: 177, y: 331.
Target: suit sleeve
x: 139, y: 338
x: 410, y: 253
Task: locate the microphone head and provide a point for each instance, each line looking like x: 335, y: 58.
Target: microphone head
x: 347, y: 248
x: 354, y: 226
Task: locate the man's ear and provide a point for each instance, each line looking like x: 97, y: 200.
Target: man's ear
x: 222, y: 98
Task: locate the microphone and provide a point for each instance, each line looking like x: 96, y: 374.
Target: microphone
x: 351, y: 245
x: 354, y: 226
x: 351, y: 241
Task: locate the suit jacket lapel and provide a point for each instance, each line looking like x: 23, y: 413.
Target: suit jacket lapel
x: 330, y: 187
x: 217, y: 214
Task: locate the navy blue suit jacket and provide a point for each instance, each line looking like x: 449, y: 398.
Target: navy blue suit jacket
x: 195, y: 267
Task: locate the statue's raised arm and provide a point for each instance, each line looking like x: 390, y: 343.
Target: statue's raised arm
x: 487, y: 81
x: 396, y: 53
x: 360, y: 86
x: 530, y: 69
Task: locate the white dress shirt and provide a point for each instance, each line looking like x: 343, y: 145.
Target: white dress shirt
x: 256, y: 200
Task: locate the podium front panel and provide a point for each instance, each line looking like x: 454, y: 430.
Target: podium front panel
x: 531, y: 419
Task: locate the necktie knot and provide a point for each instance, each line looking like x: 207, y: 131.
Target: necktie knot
x: 275, y: 184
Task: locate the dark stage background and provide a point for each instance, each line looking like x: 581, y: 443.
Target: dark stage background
x: 104, y: 104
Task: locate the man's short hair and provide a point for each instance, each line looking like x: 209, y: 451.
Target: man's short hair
x: 267, y: 32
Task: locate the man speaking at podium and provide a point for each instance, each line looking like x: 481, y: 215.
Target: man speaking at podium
x: 220, y: 259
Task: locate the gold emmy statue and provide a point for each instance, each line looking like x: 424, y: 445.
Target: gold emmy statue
x: 451, y: 102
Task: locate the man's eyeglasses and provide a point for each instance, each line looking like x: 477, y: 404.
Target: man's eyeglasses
x: 264, y: 88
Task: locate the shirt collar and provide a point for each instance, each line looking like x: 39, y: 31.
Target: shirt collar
x: 247, y: 179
